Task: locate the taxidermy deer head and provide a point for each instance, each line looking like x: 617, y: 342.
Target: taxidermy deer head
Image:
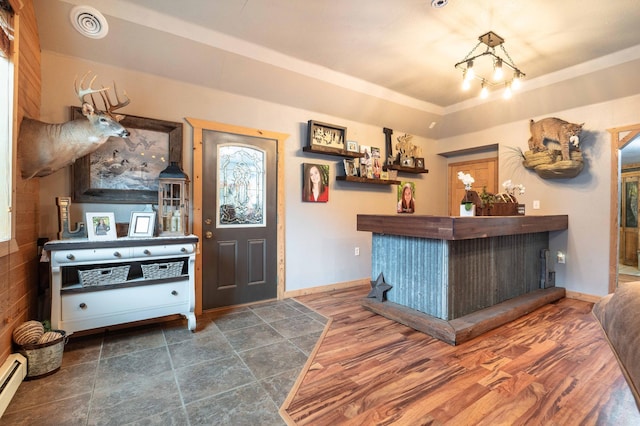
x: 45, y: 148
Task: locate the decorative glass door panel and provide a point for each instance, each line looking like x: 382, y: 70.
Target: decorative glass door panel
x: 241, y: 186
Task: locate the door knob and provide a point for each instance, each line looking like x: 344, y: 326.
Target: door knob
x: 208, y: 235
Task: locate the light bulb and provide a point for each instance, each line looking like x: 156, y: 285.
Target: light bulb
x: 507, y: 92
x: 470, y: 73
x: 484, y: 92
x: 466, y: 84
x: 516, y: 83
x: 497, y: 70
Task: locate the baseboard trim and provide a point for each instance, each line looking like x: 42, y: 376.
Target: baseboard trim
x: 582, y: 296
x: 328, y: 287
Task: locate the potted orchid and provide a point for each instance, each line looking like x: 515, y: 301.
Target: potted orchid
x: 510, y: 189
x: 467, y: 207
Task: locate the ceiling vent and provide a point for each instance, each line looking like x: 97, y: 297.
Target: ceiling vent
x: 89, y: 22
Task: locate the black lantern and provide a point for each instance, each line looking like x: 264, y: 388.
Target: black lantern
x: 173, y: 201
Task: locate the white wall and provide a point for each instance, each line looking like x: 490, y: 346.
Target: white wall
x: 585, y: 198
x: 320, y: 238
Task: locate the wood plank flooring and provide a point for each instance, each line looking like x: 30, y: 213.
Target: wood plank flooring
x: 550, y: 367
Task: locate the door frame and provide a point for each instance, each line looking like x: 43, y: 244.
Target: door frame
x: 199, y: 126
x: 620, y: 136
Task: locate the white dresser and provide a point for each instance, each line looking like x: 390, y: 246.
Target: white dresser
x: 102, y: 283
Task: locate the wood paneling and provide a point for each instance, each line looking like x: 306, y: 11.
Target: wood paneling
x: 550, y: 367
x: 19, y: 285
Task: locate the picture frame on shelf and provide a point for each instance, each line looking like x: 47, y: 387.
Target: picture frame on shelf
x: 125, y: 170
x: 352, y: 146
x: 351, y: 166
x: 101, y: 226
x: 419, y: 163
x: 142, y: 224
x: 326, y: 136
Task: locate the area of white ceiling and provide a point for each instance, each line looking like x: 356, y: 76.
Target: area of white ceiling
x: 400, y: 52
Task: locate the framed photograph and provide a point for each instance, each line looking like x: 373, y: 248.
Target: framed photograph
x: 142, y: 224
x: 315, y: 185
x: 352, y: 146
x: 101, y: 226
x: 419, y: 163
x: 406, y: 200
x: 351, y: 166
x: 125, y: 170
x: 323, y: 136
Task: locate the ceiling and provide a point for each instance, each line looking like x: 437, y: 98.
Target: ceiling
x: 400, y: 51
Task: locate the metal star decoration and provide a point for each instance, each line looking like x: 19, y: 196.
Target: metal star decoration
x: 379, y: 288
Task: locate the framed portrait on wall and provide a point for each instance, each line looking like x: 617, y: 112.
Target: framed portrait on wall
x: 315, y: 185
x: 406, y: 200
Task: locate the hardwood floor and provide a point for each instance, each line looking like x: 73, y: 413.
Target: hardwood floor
x: 550, y: 367
x: 623, y: 278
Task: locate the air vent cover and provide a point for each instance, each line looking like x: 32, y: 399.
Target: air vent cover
x: 89, y: 22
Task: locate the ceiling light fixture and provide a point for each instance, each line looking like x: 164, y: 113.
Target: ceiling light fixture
x: 472, y: 68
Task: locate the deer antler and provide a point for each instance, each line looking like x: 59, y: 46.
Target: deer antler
x: 107, y: 102
x: 82, y: 92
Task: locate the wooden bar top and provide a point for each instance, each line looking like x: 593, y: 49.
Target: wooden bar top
x: 459, y: 228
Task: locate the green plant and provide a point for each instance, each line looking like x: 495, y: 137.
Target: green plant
x: 487, y: 198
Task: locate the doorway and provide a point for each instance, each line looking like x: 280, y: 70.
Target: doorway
x: 238, y: 214
x: 485, y: 174
x: 622, y: 140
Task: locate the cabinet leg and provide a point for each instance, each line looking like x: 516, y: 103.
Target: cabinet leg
x: 191, y: 318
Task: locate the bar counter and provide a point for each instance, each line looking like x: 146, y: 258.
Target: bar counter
x: 457, y: 277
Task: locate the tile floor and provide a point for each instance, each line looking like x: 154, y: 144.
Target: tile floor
x: 236, y: 369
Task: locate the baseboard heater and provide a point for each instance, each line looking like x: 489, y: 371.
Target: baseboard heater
x: 12, y: 373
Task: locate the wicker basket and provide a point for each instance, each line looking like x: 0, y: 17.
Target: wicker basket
x: 43, y: 359
x: 162, y: 270
x: 103, y: 276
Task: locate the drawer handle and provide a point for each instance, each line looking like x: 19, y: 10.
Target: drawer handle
x: 117, y: 254
x: 70, y: 256
x: 83, y: 305
x: 147, y: 252
x: 183, y: 249
x: 175, y: 293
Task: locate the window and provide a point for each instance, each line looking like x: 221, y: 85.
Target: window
x: 6, y: 152
x: 6, y: 121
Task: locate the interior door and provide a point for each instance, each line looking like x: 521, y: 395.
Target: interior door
x: 485, y: 173
x: 629, y: 221
x: 238, y: 219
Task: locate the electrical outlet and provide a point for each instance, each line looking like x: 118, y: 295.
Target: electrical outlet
x: 357, y: 251
x: 561, y: 257
x: 536, y: 204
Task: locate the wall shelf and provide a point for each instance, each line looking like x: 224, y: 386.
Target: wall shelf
x: 367, y: 180
x: 332, y: 151
x: 404, y: 169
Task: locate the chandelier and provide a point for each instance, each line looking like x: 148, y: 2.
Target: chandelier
x: 473, y: 68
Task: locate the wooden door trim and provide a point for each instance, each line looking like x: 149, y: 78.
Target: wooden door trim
x: 628, y: 133
x: 199, y: 126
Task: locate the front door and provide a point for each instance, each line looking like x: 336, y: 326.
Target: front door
x: 239, y: 241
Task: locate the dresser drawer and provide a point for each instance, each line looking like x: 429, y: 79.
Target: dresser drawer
x: 168, y: 250
x: 90, y: 255
x: 76, y: 306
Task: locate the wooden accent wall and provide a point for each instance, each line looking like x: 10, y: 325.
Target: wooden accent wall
x: 19, y: 268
